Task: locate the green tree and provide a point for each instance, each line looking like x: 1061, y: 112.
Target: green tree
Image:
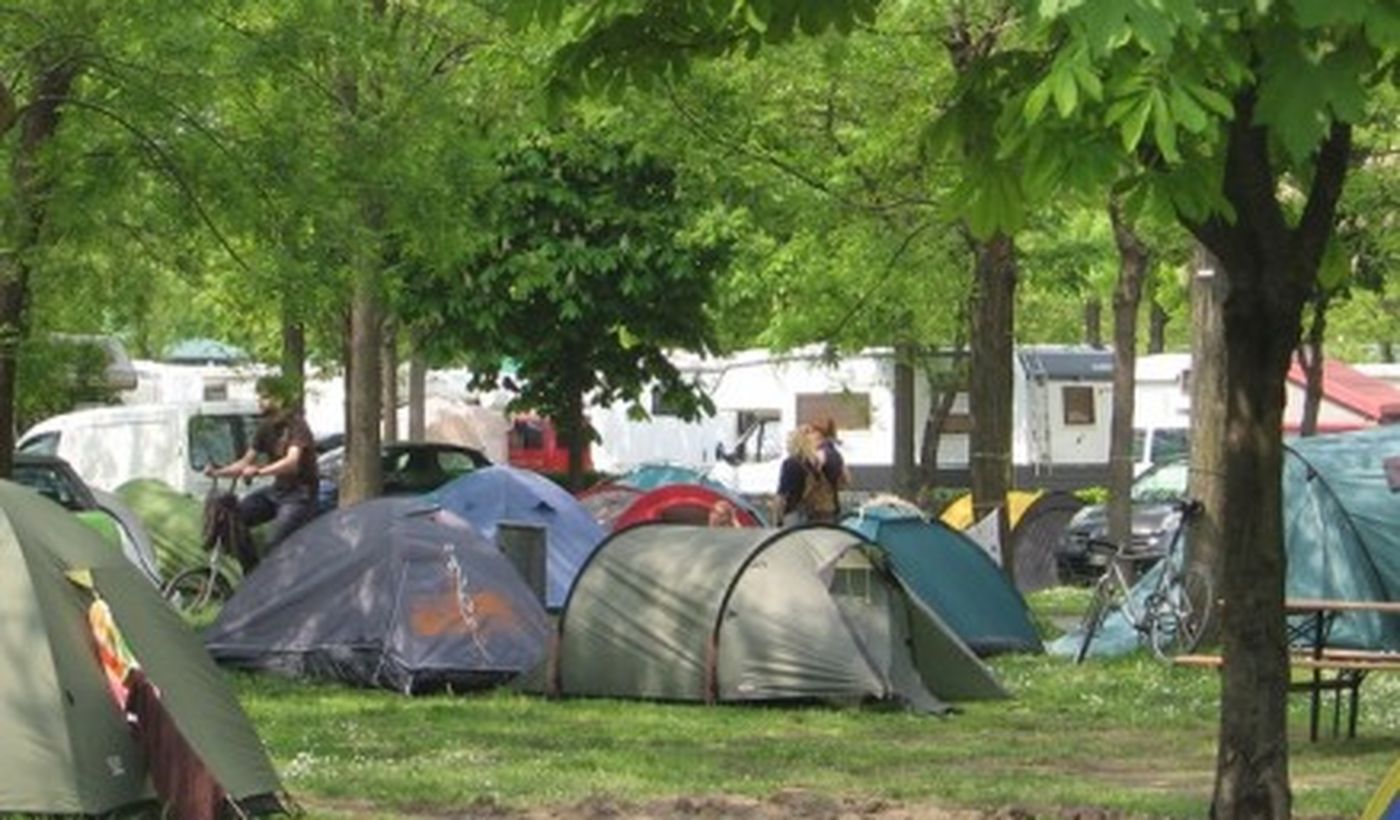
x: 589, y: 269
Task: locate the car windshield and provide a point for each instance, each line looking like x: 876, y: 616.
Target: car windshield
x: 47, y: 481
x: 1166, y: 482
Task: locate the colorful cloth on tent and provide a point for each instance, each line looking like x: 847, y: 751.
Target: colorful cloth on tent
x: 112, y: 651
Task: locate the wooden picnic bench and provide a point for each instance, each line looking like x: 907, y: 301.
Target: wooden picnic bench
x: 1339, y: 670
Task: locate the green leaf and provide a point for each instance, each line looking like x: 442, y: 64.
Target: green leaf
x: 1383, y: 24
x: 1325, y: 13
x: 1186, y: 110
x: 1065, y: 91
x: 1035, y: 102
x: 1164, y: 128
x: 1334, y: 272
x: 1135, y: 123
x: 1212, y: 99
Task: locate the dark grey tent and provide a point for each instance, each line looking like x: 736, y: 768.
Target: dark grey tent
x: 678, y: 612
x: 66, y: 745
x: 392, y: 592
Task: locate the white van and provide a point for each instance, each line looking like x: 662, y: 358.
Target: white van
x: 109, y: 446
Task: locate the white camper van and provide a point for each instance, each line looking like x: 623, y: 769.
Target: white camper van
x: 109, y: 446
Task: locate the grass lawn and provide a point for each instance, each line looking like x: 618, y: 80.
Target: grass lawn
x: 1130, y: 737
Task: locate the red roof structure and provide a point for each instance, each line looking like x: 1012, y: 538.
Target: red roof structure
x: 1370, y: 398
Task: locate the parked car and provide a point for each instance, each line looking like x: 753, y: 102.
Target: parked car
x: 410, y: 467
x: 54, y: 478
x: 1154, y: 519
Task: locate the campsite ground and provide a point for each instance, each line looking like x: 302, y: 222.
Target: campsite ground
x: 1123, y: 738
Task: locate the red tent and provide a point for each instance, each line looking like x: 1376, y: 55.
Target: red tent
x: 684, y: 504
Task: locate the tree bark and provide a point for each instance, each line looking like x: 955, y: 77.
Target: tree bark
x: 23, y: 225
x: 362, y: 477
x: 906, y: 481
x: 294, y: 356
x: 1208, y: 390
x: 417, y: 396
x: 389, y: 378
x: 992, y: 349
x: 1270, y: 267
x: 1310, y: 359
x: 1157, y: 319
x: 1093, y: 322
x: 1127, y: 295
x: 575, y: 427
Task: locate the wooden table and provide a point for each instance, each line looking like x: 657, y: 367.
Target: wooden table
x: 1351, y: 667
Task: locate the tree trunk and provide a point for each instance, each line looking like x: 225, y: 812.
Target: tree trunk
x: 362, y: 477
x: 1208, y: 389
x: 992, y: 349
x: 1127, y: 295
x: 294, y: 356
x: 944, y: 387
x: 389, y: 379
x: 575, y: 426
x: 906, y: 482
x: 1252, y: 767
x: 417, y: 396
x: 1157, y: 319
x: 1270, y: 266
x: 22, y: 227
x: 1093, y: 322
x: 1310, y: 359
x: 1388, y: 351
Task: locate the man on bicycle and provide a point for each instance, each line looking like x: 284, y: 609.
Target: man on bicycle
x: 284, y: 441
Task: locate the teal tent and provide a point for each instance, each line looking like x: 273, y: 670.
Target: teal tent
x: 953, y: 576
x: 650, y: 476
x: 1341, y: 524
x: 1341, y: 519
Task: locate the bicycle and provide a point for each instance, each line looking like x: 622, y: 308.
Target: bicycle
x: 1174, y: 610
x: 193, y: 590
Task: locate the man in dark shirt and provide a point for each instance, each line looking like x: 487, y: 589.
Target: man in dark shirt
x: 288, y: 453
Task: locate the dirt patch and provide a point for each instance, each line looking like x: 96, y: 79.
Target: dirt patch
x: 791, y: 803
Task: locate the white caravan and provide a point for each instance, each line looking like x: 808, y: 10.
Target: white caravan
x: 1062, y: 406
x: 109, y: 446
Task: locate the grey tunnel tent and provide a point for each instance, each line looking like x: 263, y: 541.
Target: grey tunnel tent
x: 66, y: 745
x: 676, y: 612
x: 392, y: 592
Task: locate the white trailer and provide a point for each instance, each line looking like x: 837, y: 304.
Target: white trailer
x: 1062, y: 404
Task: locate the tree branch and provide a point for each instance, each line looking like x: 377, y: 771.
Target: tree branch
x: 1320, y: 212
x: 170, y: 167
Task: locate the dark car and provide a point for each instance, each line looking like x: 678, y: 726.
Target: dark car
x: 410, y: 467
x: 1155, y: 519
x: 55, y: 479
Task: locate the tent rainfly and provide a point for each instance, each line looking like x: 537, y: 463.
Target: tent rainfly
x: 391, y: 592
x: 677, y: 612
x: 1036, y: 519
x: 107, y: 700
x: 954, y: 577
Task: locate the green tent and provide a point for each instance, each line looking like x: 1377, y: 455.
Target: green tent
x: 676, y: 612
x: 67, y: 747
x: 175, y: 522
x: 1341, y: 517
x: 953, y: 576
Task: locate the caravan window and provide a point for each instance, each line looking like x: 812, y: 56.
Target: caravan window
x: 1079, y: 403
x: 219, y: 439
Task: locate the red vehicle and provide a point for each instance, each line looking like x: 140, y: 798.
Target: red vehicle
x: 534, y: 444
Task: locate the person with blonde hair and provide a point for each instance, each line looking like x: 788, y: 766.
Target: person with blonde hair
x: 805, y: 492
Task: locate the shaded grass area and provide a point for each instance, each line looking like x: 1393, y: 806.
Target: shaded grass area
x: 1131, y: 736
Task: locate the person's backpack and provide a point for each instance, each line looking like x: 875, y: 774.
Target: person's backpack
x: 818, y: 495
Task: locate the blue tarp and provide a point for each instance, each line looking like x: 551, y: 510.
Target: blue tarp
x: 954, y: 577
x: 491, y: 495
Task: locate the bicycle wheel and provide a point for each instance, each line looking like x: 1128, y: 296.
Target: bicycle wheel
x: 1106, y: 597
x: 1181, y: 618
x: 193, y: 590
